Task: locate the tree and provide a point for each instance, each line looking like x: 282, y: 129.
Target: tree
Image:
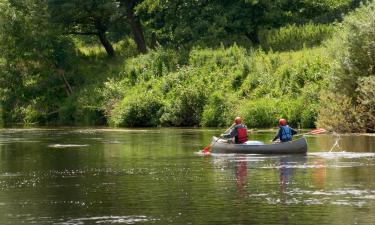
x: 36, y: 60
x: 86, y: 17
x: 128, y: 8
x: 212, y: 22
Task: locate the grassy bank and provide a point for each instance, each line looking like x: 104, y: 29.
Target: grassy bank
x: 210, y: 89
x: 309, y: 73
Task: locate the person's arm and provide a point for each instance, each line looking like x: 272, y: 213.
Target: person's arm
x: 293, y: 131
x: 278, y: 135
x: 232, y: 133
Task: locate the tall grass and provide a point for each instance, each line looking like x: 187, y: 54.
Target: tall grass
x: 215, y: 86
x: 295, y: 37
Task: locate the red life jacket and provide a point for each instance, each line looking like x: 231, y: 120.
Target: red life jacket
x: 242, y: 135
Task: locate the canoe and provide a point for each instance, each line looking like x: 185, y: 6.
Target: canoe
x: 298, y: 146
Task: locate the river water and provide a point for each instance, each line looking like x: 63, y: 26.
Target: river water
x: 157, y: 176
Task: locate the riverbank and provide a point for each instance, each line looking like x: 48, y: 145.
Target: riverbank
x: 323, y: 78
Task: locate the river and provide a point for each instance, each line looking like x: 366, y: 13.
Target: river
x: 156, y: 176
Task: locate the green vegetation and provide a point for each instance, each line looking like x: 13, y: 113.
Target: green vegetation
x: 293, y: 37
x: 351, y: 90
x: 135, y: 63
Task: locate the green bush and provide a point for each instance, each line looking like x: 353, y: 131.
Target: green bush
x: 266, y: 112
x: 218, y: 112
x: 345, y: 107
x: 294, y: 37
x: 139, y: 109
x: 184, y: 106
x: 366, y: 102
x: 154, y: 64
x: 286, y: 74
x: 259, y: 113
x: 220, y: 84
x: 337, y: 113
x: 353, y: 50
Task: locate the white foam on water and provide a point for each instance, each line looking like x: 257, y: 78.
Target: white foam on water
x: 347, y: 155
x: 67, y: 145
x: 108, y: 220
x: 201, y: 153
x: 17, y: 140
x: 349, y: 203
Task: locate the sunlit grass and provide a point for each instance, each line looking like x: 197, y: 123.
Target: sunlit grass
x: 125, y: 47
x: 294, y: 37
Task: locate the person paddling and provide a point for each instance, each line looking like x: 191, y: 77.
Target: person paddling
x: 239, y: 132
x: 285, y: 132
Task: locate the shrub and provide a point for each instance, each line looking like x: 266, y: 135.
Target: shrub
x: 353, y: 48
x: 138, y: 109
x: 259, y: 113
x: 294, y: 37
x: 218, y: 112
x: 345, y: 108
x: 184, y: 106
x: 337, y: 113
x: 280, y: 75
x: 366, y: 102
x: 154, y: 64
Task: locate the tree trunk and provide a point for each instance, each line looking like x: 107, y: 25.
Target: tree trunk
x: 137, y: 30
x: 105, y: 42
x: 154, y: 41
x: 253, y: 36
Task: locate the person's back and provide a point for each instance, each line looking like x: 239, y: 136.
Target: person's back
x: 241, y: 136
x: 285, y: 133
x: 239, y: 132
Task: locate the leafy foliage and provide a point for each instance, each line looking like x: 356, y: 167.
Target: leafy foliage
x: 366, y: 102
x: 205, y: 62
x: 353, y: 52
x: 34, y: 77
x: 293, y: 37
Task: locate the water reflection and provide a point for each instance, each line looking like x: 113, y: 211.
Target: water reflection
x: 339, y: 143
x: 287, y: 168
x: 241, y: 176
x: 152, y: 176
x: 319, y: 173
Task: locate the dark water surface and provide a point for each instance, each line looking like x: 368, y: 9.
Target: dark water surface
x: 156, y: 176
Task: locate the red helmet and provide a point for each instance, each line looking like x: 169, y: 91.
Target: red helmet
x: 237, y: 120
x: 282, y: 122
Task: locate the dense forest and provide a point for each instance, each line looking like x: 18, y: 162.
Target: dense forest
x: 147, y: 63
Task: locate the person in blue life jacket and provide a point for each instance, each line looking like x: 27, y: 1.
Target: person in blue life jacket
x: 238, y: 131
x: 285, y: 132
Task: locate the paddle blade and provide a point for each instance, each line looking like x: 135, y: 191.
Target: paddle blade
x: 207, y: 149
x: 318, y: 131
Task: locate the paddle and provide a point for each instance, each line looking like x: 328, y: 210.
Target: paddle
x: 208, y: 147
x: 316, y: 131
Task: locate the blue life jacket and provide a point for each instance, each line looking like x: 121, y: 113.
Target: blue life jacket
x: 286, y: 133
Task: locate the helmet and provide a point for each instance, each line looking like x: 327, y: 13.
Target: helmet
x: 282, y: 122
x: 237, y: 120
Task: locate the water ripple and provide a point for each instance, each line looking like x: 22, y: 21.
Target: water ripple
x: 108, y: 219
x: 347, y: 155
x: 67, y: 145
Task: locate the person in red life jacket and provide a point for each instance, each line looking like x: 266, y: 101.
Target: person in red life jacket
x: 285, y: 132
x: 239, y: 132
